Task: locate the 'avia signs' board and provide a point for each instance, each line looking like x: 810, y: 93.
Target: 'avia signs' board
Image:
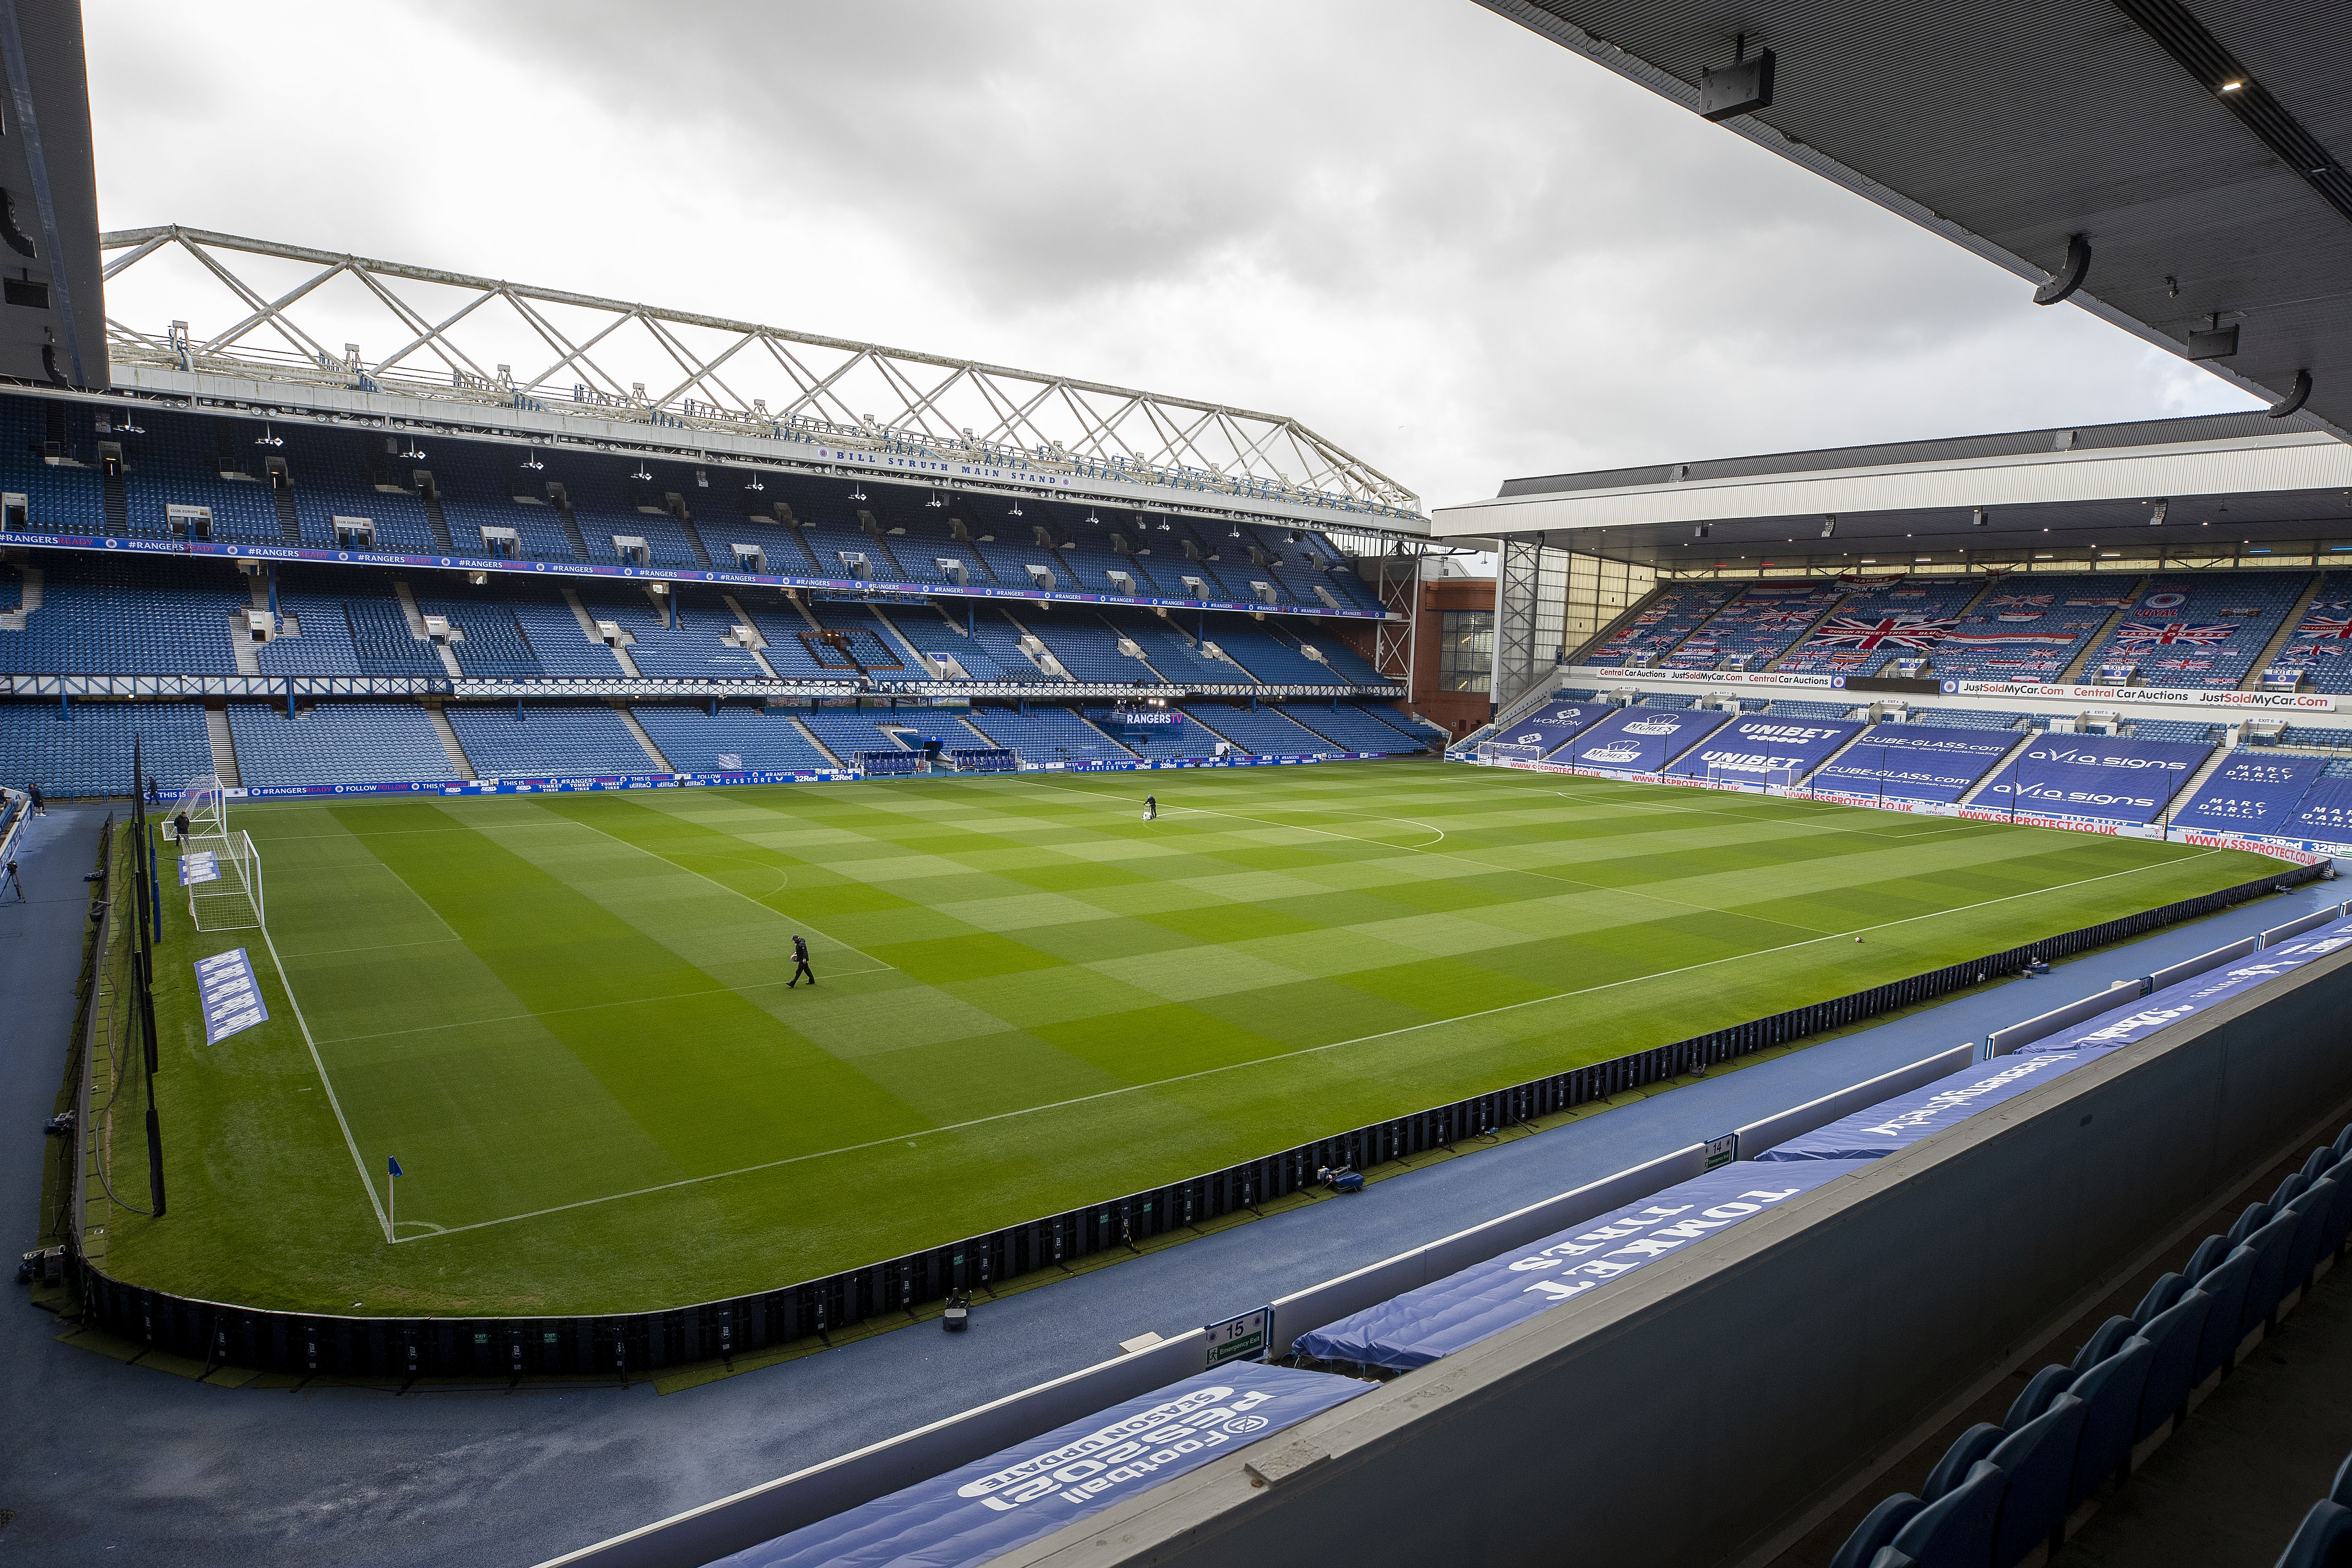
x: 2096, y: 775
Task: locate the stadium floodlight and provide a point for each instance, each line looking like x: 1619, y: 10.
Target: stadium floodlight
x: 267, y: 437
x: 531, y: 460
x: 936, y: 499
x: 754, y: 484
x: 644, y: 475
x: 856, y: 491
x: 1092, y: 520
x: 1015, y: 512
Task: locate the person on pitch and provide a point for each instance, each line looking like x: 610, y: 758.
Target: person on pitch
x: 1151, y: 809
x: 800, y: 962
x: 179, y: 828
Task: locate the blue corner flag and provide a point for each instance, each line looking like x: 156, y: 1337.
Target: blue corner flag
x: 394, y: 1162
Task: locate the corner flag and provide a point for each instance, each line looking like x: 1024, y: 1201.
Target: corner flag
x: 394, y: 1162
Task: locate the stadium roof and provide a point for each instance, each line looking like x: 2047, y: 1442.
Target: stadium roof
x: 2200, y: 155
x: 2224, y: 490
x: 283, y: 324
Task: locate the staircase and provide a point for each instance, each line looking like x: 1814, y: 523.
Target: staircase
x: 571, y: 534
x: 588, y: 629
x: 2285, y: 635
x: 653, y: 753
x: 882, y: 545
x: 694, y: 544
x: 118, y: 506
x: 415, y: 619
x: 224, y: 747
x: 449, y: 742
x: 241, y: 646
x: 1999, y: 769
x: 742, y: 618
x: 2195, y: 782
x: 439, y: 524
x: 289, y: 527
x: 28, y: 600
x: 2073, y: 671
x: 812, y: 737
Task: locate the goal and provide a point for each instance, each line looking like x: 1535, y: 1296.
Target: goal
x: 223, y: 876
x: 205, y: 807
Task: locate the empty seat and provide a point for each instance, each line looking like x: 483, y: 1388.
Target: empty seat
x: 2036, y: 1396
x: 1876, y: 1531
x: 2111, y: 1390
x: 1954, y: 1531
x: 2108, y: 1339
x: 2314, y: 1208
x: 2323, y: 1160
x: 2226, y: 1283
x: 2323, y: 1539
x: 2342, y: 1490
x: 2038, y: 1459
x: 2174, y: 1335
x: 2207, y: 1257
x: 2161, y: 1297
x: 2290, y: 1188
x: 2256, y: 1217
x: 2273, y: 1246
x: 1967, y: 1451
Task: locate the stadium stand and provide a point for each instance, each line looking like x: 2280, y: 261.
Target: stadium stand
x: 1087, y: 649
x: 1156, y: 743
x: 197, y: 462
x: 85, y: 749
x: 1045, y: 735
x: 106, y: 614
x: 1968, y: 717
x: 1268, y: 732
x: 1657, y: 627
x: 490, y: 641
x: 847, y: 731
x: 1758, y: 627
x: 1878, y: 622
x: 523, y: 742
x: 557, y: 640
x: 338, y: 742
x: 2200, y: 631
x: 696, y: 739
x: 2323, y: 635
x: 1354, y: 728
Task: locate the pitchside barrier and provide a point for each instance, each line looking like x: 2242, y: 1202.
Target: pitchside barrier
x: 572, y: 784
x: 627, y: 1344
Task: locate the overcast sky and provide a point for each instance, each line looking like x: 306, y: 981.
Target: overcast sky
x: 1449, y: 246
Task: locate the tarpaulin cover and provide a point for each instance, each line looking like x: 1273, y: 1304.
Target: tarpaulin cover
x: 1765, y: 750
x: 1418, y: 1327
x: 1553, y: 726
x: 1915, y: 762
x: 2106, y: 777
x: 2325, y: 813
x: 1642, y: 739
x: 2253, y: 792
x: 994, y: 1505
x: 1899, y: 1123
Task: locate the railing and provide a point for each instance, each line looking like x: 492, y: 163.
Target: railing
x: 623, y: 1344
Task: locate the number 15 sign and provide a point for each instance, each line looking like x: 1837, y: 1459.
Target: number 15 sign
x: 1239, y: 1339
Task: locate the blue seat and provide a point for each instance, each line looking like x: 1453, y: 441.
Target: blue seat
x: 1961, y: 1458
x: 2174, y: 1334
x: 2162, y: 1297
x: 2111, y: 1390
x: 2323, y: 1160
x: 2315, y: 1212
x: 2206, y: 1258
x: 2227, y: 1286
x: 2271, y: 1246
x: 2105, y: 1343
x: 2322, y: 1540
x: 2338, y: 1222
x: 2342, y: 1490
x: 2290, y: 1188
x: 2256, y: 1217
x: 2039, y: 1389
x: 1954, y: 1531
x: 2039, y: 1460
x: 1877, y: 1530
x: 2344, y: 1142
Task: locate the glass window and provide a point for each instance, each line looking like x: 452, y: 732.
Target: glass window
x: 1466, y: 650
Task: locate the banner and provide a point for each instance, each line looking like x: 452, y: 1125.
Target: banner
x: 1915, y: 762
x: 994, y: 1506
x: 200, y: 865
x: 1644, y: 740
x: 1761, y: 750
x: 2125, y: 695
x: 1902, y: 1121
x: 2251, y: 793
x: 1421, y: 1326
x: 231, y: 1000
x: 1552, y: 727
x: 2096, y: 775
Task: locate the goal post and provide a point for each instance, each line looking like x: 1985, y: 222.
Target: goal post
x: 223, y: 876
x: 205, y: 805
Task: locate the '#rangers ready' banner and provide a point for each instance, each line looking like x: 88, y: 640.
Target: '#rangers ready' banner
x: 998, y: 1504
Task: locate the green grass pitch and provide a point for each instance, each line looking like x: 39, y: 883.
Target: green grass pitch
x: 566, y: 1014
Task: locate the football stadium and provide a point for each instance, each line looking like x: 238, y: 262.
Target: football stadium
x: 641, y: 939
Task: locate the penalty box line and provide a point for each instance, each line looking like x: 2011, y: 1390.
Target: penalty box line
x: 910, y: 1136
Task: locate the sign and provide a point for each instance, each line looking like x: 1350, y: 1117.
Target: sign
x: 1722, y: 1151
x: 732, y: 762
x: 203, y: 866
x: 231, y: 1000
x: 1603, y: 674
x: 1239, y: 1339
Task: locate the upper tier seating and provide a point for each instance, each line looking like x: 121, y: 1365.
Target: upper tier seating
x: 1872, y: 618
x: 766, y: 740
x: 1046, y: 735
x: 2321, y: 642
x: 1352, y: 727
x: 1087, y: 648
x: 1268, y: 732
x: 111, y: 614
x: 85, y: 748
x: 2204, y: 631
x: 548, y: 741
x: 1664, y: 622
x: 1967, y: 718
x: 338, y: 742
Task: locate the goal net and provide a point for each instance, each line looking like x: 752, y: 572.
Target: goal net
x: 223, y: 876
x: 203, y: 806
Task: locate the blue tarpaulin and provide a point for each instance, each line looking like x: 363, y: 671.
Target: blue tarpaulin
x: 2324, y: 815
x: 1553, y: 726
x: 1899, y: 1123
x: 2110, y: 777
x: 991, y: 1506
x: 1915, y: 762
x: 1766, y: 749
x: 2251, y: 793
x: 1418, y: 1327
x: 1641, y: 740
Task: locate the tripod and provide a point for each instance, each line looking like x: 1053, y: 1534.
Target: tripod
x: 10, y: 883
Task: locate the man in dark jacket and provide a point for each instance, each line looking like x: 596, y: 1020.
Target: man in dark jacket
x: 800, y: 962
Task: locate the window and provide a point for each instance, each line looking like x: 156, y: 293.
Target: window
x: 1466, y: 650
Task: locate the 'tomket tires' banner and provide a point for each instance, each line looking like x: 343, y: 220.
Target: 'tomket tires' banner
x: 2096, y: 775
x: 1457, y: 1311
x: 1915, y: 762
x: 1776, y: 748
x: 1902, y: 1121
x: 995, y: 1505
x: 1644, y: 740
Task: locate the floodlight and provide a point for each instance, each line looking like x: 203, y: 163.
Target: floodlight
x: 755, y: 484
x: 856, y: 491
x: 643, y: 474
x: 1829, y: 525
x: 1016, y: 508
x: 2156, y: 518
x: 269, y: 439
x: 531, y: 460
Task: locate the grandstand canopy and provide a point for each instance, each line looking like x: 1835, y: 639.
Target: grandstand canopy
x: 2198, y: 151
x: 2221, y: 489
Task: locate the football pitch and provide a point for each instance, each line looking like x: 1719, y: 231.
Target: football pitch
x: 567, y: 1016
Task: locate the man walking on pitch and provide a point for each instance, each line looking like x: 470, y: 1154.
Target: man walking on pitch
x: 800, y: 962
x: 1151, y: 809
